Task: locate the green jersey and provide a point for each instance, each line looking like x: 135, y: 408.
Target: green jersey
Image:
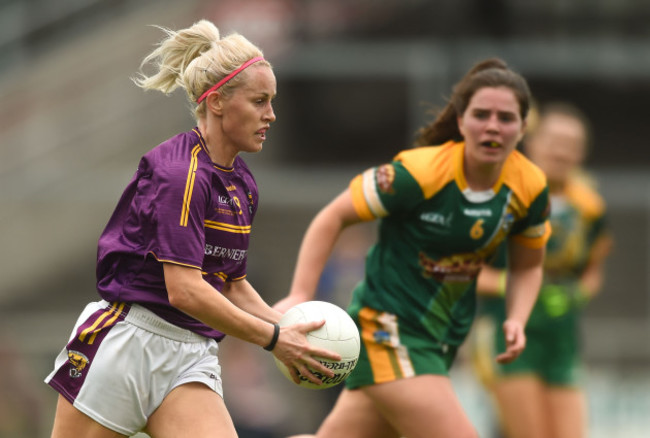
x: 553, y: 337
x: 435, y: 234
x: 578, y: 221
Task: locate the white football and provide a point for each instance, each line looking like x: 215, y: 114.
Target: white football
x: 338, y: 334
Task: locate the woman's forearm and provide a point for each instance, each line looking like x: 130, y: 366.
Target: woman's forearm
x: 242, y: 294
x: 318, y: 243
x: 522, y: 290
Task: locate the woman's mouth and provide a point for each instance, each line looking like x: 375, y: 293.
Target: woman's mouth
x: 491, y: 144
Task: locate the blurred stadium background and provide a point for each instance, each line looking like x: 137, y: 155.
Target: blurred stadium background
x: 355, y: 80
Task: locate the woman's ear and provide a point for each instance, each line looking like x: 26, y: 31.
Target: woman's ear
x: 214, y: 103
x: 461, y: 129
x: 524, y: 128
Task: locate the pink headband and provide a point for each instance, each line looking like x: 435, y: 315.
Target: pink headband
x: 229, y: 77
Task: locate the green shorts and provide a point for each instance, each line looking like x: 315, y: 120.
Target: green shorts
x: 552, y: 355
x: 388, y: 353
x: 552, y: 352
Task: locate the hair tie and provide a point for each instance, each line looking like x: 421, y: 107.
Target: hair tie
x: 274, y: 339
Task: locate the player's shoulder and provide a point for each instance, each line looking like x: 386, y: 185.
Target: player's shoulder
x: 584, y: 196
x: 176, y: 159
x: 182, y: 147
x: 431, y: 166
x: 423, y: 157
x: 523, y: 177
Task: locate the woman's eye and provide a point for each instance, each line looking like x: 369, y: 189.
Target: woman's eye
x: 481, y: 114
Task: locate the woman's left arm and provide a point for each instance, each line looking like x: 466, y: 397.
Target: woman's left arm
x: 525, y: 274
x: 242, y: 294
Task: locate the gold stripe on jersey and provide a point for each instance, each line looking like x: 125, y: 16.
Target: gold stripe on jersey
x: 173, y: 262
x: 189, y: 185
x: 222, y: 226
x: 221, y: 275
x: 388, y: 359
x: 359, y: 200
x: 223, y: 169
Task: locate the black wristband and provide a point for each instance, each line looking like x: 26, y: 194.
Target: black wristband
x: 274, y: 339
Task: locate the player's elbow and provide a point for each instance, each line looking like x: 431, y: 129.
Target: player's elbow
x: 179, y: 296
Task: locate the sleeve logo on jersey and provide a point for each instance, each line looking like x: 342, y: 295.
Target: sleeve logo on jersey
x: 251, y: 202
x: 385, y: 177
x: 535, y: 231
x: 78, y: 361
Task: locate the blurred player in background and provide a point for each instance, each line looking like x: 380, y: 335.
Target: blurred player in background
x: 171, y: 268
x: 538, y: 394
x: 443, y: 210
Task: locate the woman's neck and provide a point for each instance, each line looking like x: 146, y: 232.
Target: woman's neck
x: 556, y: 187
x: 217, y: 154
x: 480, y: 178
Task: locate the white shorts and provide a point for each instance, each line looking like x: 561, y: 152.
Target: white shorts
x: 122, y: 360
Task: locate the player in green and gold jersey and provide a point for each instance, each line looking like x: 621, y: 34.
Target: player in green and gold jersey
x: 546, y: 375
x: 443, y: 211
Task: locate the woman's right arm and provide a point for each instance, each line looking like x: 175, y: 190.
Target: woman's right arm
x: 194, y: 296
x: 525, y: 272
x: 316, y: 248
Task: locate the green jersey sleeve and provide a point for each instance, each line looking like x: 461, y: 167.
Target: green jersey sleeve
x: 385, y: 190
x: 534, y: 227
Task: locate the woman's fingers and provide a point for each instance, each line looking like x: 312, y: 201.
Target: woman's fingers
x: 515, y: 342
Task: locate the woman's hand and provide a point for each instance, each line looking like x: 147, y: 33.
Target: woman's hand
x: 515, y: 341
x: 299, y: 356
